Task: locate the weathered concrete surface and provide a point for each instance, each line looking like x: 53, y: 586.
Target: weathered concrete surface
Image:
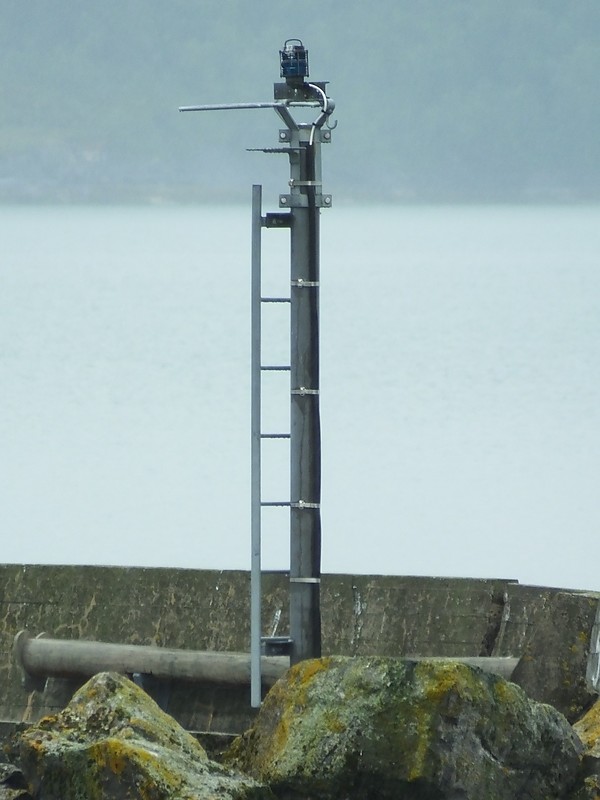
x: 555, y: 665
x: 386, y: 615
x: 383, y: 728
x: 170, y: 608
x: 113, y: 742
x: 209, y: 610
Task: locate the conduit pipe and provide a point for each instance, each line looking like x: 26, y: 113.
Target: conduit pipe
x: 42, y: 657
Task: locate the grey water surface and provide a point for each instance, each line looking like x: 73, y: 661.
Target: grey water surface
x: 460, y: 379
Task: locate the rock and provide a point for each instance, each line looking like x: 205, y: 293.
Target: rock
x: 588, y: 790
x: 13, y: 785
x: 113, y: 742
x: 588, y: 730
x: 387, y: 728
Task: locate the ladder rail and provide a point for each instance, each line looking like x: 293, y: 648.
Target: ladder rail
x: 257, y: 436
x: 256, y: 568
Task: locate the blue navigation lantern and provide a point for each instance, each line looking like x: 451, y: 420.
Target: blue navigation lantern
x: 294, y: 61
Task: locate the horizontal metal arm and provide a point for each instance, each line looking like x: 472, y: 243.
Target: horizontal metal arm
x: 233, y: 106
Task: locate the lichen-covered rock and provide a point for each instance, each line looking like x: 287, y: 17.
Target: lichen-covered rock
x: 588, y: 789
x: 588, y: 730
x: 112, y: 742
x: 13, y: 785
x: 379, y: 728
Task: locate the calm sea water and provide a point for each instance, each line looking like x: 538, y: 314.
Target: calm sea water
x: 460, y: 389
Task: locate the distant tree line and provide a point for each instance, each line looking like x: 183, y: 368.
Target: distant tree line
x: 494, y: 100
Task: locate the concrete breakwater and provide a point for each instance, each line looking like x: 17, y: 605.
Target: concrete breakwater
x: 553, y: 632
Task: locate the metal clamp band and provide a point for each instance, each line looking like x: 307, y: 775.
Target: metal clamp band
x: 302, y: 284
x: 293, y: 182
x: 304, y: 391
x: 305, y: 580
x: 304, y: 504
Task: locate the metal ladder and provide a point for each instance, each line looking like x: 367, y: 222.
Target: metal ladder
x: 275, y: 644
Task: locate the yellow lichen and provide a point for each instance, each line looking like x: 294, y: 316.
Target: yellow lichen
x: 301, y: 676
x: 504, y: 692
x: 588, y: 729
x: 111, y: 754
x: 289, y: 697
x: 334, y: 723
x: 419, y: 758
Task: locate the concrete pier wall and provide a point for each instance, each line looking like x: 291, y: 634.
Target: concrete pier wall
x: 361, y: 615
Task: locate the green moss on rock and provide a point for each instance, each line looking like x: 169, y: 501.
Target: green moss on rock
x: 113, y: 742
x: 388, y: 728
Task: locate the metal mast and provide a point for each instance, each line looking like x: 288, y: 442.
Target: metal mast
x: 302, y: 204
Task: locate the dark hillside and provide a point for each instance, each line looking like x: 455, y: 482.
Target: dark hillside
x: 458, y: 101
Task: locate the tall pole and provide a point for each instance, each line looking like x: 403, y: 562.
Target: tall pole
x: 305, y: 431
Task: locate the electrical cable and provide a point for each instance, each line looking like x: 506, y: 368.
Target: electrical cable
x: 323, y: 95
x: 325, y: 101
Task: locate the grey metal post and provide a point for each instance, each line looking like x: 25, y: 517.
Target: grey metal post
x: 305, y: 444
x: 255, y: 582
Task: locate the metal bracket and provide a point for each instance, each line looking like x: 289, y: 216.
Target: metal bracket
x: 276, y: 645
x: 277, y: 220
x: 322, y: 136
x: 301, y: 201
x: 302, y: 93
x: 286, y: 117
x: 285, y: 150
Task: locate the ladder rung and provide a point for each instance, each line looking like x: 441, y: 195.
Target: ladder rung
x: 275, y: 436
x: 275, y: 369
x: 275, y: 300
